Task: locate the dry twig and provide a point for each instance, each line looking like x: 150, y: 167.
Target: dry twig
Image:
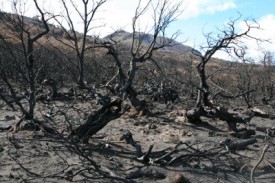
x: 255, y: 166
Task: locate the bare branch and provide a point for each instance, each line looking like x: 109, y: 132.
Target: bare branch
x: 256, y: 165
x: 39, y: 35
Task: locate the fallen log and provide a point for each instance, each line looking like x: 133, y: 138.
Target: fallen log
x: 154, y: 173
x: 243, y: 134
x: 194, y: 115
x: 237, y: 144
x: 96, y: 121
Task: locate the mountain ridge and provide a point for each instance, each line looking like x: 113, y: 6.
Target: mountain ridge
x: 126, y: 38
x: 121, y: 36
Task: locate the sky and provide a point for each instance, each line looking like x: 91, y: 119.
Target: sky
x: 197, y: 17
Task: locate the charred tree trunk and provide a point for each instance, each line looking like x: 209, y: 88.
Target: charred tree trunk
x: 203, y: 91
x: 131, y: 75
x: 194, y: 115
x: 127, y: 88
x: 31, y: 79
x: 128, y: 91
x: 97, y: 121
x: 231, y: 119
x: 80, y: 81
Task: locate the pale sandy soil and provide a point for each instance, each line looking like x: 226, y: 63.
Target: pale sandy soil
x: 35, y: 156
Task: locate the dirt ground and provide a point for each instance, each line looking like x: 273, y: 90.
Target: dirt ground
x: 195, y: 152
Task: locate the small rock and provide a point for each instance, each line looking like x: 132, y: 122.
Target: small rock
x: 178, y: 178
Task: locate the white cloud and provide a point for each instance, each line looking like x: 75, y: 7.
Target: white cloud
x: 266, y: 32
x: 119, y: 13
x: 115, y: 14
x: 221, y: 7
x: 267, y: 24
x: 194, y: 8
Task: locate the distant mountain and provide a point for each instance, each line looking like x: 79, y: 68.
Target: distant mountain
x: 126, y: 38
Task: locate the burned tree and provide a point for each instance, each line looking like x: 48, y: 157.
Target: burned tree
x: 143, y: 48
x: 18, y: 44
x: 268, y: 84
x: 245, y: 77
x: 73, y: 40
x: 164, y: 14
x: 227, y: 40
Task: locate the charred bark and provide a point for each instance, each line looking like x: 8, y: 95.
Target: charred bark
x: 232, y: 119
x: 194, y: 115
x: 203, y: 91
x: 127, y: 90
x: 234, y: 145
x: 97, y: 121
